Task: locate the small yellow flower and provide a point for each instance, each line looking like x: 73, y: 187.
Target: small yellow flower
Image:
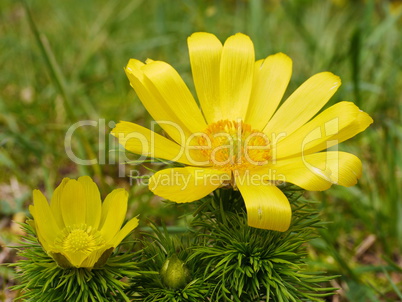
x: 76, y: 229
x: 240, y: 138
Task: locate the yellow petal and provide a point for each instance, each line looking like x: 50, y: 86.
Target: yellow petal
x: 303, y: 104
x: 205, y: 55
x: 55, y: 203
x: 154, y: 103
x: 75, y: 258
x: 143, y: 141
x: 333, y: 126
x: 34, y: 225
x: 315, y: 172
x: 170, y: 86
x: 92, y: 258
x: 114, y: 210
x: 267, y: 207
x: 128, y: 227
x: 271, y: 77
x: 93, y: 201
x: 73, y: 203
x: 46, y: 225
x: 236, y: 76
x: 186, y: 184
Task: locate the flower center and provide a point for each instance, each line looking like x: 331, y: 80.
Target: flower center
x: 231, y: 145
x: 79, y: 238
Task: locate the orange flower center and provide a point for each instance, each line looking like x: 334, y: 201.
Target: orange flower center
x: 231, y: 145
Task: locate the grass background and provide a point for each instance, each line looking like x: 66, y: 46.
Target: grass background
x: 64, y: 62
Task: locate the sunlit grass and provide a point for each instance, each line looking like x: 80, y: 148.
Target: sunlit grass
x: 71, y: 69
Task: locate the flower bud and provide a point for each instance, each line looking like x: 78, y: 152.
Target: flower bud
x: 175, y: 273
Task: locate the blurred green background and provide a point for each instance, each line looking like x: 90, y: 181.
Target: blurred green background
x: 63, y: 63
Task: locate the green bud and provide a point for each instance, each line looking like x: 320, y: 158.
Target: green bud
x: 175, y: 273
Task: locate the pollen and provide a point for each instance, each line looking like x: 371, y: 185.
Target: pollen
x: 234, y: 145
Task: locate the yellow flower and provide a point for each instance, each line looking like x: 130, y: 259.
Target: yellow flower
x: 240, y: 137
x: 76, y: 229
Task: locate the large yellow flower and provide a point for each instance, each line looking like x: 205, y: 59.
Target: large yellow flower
x: 240, y: 137
x: 77, y: 230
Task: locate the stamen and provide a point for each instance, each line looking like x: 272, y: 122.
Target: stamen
x: 231, y: 145
x: 79, y: 238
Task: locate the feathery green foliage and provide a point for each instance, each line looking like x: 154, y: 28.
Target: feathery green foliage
x: 151, y: 284
x: 221, y: 258
x: 249, y: 264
